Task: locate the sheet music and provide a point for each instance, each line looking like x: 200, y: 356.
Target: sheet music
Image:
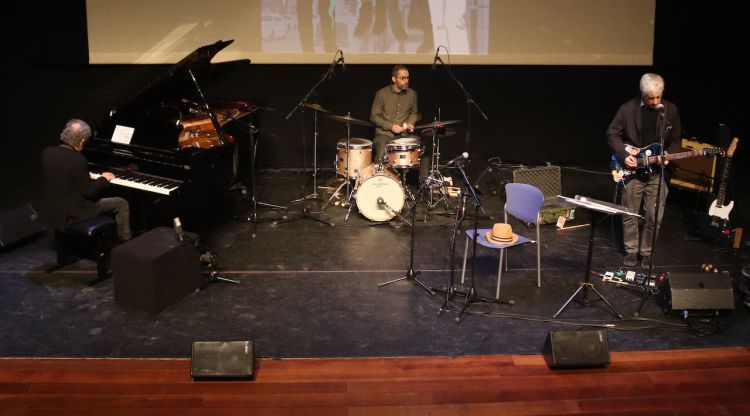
x: 597, y: 205
x: 122, y: 134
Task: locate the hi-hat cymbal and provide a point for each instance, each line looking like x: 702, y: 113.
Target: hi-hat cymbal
x: 441, y: 132
x: 349, y: 120
x: 437, y: 123
x: 317, y: 107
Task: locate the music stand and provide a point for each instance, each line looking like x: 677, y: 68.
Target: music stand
x: 594, y: 206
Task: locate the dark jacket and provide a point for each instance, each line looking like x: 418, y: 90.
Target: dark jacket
x: 625, y: 128
x: 69, y: 192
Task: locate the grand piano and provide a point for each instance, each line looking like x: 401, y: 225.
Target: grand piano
x: 176, y: 159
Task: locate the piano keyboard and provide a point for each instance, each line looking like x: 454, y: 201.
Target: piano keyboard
x: 143, y: 182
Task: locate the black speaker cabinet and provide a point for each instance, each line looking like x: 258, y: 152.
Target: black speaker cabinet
x: 18, y: 224
x: 155, y: 270
x: 569, y: 349
x: 222, y: 360
x: 692, y: 292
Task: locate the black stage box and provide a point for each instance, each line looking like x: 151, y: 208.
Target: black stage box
x: 690, y: 292
x: 155, y: 270
x: 570, y: 349
x: 19, y: 224
x: 222, y: 360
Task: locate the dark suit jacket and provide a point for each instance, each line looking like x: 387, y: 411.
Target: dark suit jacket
x: 625, y: 128
x: 69, y: 192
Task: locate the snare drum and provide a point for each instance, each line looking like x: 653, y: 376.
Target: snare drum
x: 404, y: 152
x: 360, y: 156
x: 375, y: 182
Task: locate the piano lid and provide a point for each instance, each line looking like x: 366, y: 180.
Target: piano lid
x: 176, y: 82
x: 156, y: 112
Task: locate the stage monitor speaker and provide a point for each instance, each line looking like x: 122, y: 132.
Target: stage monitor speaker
x: 688, y: 293
x: 155, y: 270
x: 18, y: 224
x: 695, y: 173
x: 586, y: 348
x: 222, y: 360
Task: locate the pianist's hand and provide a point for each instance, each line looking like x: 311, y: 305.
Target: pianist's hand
x: 108, y: 175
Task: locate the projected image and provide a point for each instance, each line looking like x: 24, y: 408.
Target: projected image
x: 380, y: 26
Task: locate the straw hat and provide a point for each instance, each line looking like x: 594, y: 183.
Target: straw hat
x: 501, y: 234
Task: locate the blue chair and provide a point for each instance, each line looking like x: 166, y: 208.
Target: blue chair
x: 523, y: 201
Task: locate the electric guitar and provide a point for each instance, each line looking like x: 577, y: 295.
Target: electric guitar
x: 648, y: 156
x: 715, y: 224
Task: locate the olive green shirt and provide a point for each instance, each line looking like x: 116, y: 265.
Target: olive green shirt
x: 389, y: 108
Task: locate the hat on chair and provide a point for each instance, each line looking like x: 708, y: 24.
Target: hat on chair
x: 501, y: 234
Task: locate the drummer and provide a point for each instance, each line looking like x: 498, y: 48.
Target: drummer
x: 394, y: 112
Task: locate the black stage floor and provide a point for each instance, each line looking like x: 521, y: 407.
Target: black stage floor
x: 311, y: 290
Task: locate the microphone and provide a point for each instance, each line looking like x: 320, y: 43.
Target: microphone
x: 381, y: 201
x: 462, y: 156
x: 178, y: 228
x: 660, y: 108
x: 341, y: 60
x: 437, y: 58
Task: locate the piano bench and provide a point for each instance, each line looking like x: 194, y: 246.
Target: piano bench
x: 91, y: 239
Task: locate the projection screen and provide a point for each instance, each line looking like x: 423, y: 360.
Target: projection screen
x: 529, y: 32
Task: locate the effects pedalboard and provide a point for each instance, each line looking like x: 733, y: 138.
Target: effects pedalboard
x: 632, y: 278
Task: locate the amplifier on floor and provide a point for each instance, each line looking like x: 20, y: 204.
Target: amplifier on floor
x: 697, y: 293
x: 156, y: 270
x: 585, y: 348
x: 222, y: 360
x: 19, y: 224
x: 548, y: 180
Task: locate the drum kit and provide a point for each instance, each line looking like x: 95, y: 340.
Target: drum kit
x: 380, y: 190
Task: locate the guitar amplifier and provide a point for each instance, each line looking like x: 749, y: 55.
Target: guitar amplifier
x: 697, y: 173
x: 547, y: 179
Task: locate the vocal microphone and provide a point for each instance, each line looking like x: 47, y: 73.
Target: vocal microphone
x: 341, y: 61
x: 660, y: 107
x: 462, y: 156
x: 381, y: 201
x: 437, y: 58
x: 178, y: 228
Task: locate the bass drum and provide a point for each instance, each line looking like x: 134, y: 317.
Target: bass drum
x: 377, y: 182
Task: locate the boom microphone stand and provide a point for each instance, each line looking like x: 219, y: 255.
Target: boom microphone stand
x: 469, y: 99
x: 306, y: 214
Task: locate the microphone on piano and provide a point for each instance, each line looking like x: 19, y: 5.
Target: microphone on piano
x: 178, y: 228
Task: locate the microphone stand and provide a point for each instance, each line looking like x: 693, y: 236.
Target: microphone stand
x: 469, y: 100
x: 305, y: 210
x: 657, y: 211
x: 411, y: 274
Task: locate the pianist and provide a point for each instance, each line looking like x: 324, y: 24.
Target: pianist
x: 69, y: 191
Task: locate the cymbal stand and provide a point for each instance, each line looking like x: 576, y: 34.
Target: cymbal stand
x: 254, y: 217
x: 435, y: 178
x: 305, y: 213
x: 347, y: 178
x: 411, y: 274
x: 314, y: 194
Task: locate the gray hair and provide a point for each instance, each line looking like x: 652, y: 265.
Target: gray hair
x: 652, y: 84
x: 75, y: 132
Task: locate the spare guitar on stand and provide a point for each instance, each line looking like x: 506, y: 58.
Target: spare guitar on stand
x: 715, y: 224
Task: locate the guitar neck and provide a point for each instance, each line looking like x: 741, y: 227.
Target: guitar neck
x: 674, y: 156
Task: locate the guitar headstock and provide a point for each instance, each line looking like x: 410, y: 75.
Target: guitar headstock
x: 732, y: 147
x: 713, y: 151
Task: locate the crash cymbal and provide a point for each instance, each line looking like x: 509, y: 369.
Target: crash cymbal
x: 349, y: 120
x: 437, y: 123
x: 316, y: 107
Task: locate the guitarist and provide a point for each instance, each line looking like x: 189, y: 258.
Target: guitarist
x: 637, y: 124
